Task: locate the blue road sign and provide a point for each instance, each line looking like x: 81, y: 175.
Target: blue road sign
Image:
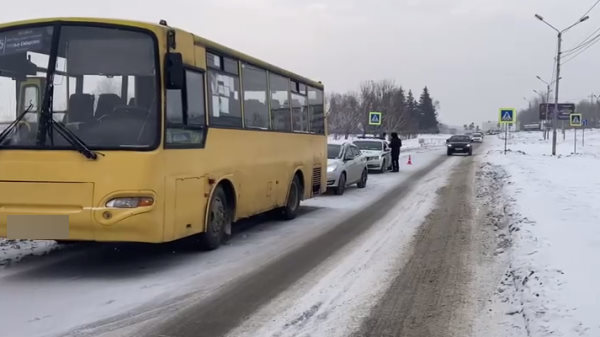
x: 507, y: 116
x: 375, y: 118
x: 585, y: 122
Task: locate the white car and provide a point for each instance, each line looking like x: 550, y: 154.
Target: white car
x: 345, y: 166
x: 477, y: 137
x: 378, y: 153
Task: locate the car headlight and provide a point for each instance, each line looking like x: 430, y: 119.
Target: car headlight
x: 449, y: 145
x: 468, y: 145
x: 331, y: 168
x: 130, y: 202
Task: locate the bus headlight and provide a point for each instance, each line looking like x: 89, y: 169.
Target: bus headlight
x: 131, y: 202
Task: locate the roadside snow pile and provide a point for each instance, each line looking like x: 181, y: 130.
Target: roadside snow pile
x: 14, y: 250
x: 551, y: 208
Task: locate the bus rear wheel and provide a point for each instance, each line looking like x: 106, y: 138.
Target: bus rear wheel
x: 290, y: 210
x: 218, y: 227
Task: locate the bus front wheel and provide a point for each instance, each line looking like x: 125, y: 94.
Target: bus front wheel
x: 218, y: 227
x: 290, y: 210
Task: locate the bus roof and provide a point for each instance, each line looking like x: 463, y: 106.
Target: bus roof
x: 208, y: 44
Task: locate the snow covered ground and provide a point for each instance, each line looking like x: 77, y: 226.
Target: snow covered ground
x: 89, y: 290
x: 333, y: 299
x: 551, y: 209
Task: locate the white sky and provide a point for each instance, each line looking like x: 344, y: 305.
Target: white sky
x: 475, y: 55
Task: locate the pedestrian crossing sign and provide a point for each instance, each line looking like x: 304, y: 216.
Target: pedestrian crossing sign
x: 375, y: 118
x: 575, y: 119
x: 507, y: 116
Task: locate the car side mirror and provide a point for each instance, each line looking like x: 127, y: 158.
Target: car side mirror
x: 174, y: 73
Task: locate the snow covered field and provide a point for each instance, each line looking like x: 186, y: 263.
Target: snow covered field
x: 90, y: 290
x: 552, y: 236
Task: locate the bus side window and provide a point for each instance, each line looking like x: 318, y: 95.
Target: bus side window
x: 315, y: 110
x: 186, y: 122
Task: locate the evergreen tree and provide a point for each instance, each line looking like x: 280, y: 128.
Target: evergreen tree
x: 427, y: 114
x: 412, y: 110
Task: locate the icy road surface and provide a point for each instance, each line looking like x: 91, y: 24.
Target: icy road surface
x: 116, y: 290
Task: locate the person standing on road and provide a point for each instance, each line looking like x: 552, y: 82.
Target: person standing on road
x: 395, y: 145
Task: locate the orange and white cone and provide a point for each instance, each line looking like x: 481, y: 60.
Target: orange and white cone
x: 409, y: 160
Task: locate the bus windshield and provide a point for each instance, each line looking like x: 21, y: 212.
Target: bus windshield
x: 104, y: 86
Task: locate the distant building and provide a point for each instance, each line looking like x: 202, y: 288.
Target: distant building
x: 489, y: 125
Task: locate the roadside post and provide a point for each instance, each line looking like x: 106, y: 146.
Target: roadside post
x: 575, y: 120
x: 507, y: 117
x: 585, y: 124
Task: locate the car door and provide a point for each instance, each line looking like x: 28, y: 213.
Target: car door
x: 349, y: 163
x: 387, y: 154
x: 357, y: 163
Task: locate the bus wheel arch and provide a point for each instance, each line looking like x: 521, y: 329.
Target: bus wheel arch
x: 295, y: 194
x: 219, y: 216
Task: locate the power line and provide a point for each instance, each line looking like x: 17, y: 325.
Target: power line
x: 582, y: 50
x: 587, y: 40
x: 593, y: 6
x: 584, y: 42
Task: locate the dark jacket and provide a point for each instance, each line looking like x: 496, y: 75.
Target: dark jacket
x: 395, y: 145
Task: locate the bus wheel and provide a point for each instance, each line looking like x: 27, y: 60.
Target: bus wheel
x: 290, y: 210
x: 218, y: 228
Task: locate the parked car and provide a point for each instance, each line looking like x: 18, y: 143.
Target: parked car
x: 346, y: 165
x: 378, y: 153
x: 459, y: 144
x: 477, y: 137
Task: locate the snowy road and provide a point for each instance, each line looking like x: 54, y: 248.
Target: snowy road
x: 124, y: 290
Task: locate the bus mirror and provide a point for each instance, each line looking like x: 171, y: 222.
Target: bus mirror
x: 174, y: 73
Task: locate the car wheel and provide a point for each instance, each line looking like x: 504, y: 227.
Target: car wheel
x: 363, y: 179
x: 219, y: 221
x: 383, y: 167
x: 339, y: 190
x: 471, y: 153
x: 449, y: 152
x: 290, y: 210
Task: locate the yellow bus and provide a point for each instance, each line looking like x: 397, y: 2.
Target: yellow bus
x: 114, y: 130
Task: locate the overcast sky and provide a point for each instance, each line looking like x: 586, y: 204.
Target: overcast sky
x: 475, y: 55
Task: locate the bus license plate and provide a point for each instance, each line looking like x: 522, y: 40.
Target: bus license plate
x: 37, y: 227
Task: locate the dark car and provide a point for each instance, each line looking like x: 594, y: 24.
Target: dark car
x: 459, y: 144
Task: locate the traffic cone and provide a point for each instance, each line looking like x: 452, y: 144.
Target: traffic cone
x: 409, y: 160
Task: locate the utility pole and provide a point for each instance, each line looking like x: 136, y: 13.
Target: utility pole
x: 555, y: 114
x: 558, y: 53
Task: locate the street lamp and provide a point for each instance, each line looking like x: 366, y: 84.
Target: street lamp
x: 560, y: 33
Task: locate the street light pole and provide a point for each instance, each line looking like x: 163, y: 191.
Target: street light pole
x: 555, y: 114
x: 558, y: 53
x: 547, y: 103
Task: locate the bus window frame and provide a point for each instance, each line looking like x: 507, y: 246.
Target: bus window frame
x: 184, y: 105
x: 241, y: 61
x: 159, y: 105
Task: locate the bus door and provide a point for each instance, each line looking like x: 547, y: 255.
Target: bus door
x: 30, y: 92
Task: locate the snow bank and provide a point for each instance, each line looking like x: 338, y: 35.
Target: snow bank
x: 552, y: 209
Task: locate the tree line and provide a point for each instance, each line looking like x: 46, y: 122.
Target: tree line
x: 348, y: 112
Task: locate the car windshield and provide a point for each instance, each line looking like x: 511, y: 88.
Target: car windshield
x: 369, y: 145
x: 104, y: 87
x: 333, y: 151
x: 460, y: 139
